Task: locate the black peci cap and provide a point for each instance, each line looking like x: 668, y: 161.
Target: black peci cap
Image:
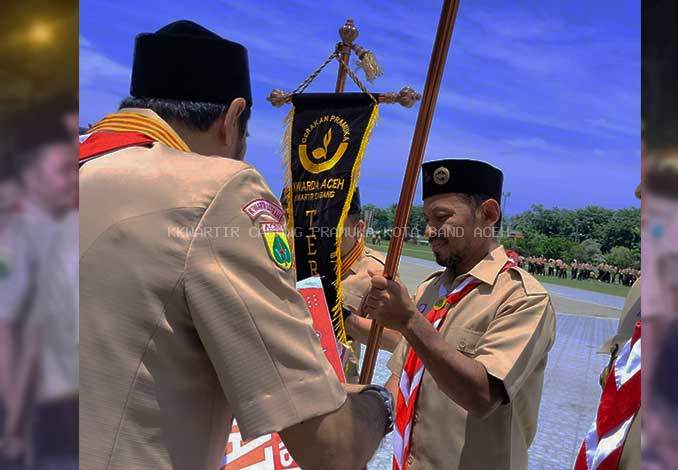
x: 462, y: 176
x: 185, y: 61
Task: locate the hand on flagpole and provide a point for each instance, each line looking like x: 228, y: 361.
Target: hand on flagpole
x: 389, y: 303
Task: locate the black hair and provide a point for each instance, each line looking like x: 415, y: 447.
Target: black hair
x: 196, y: 115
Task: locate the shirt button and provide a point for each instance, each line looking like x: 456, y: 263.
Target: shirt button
x: 416, y: 418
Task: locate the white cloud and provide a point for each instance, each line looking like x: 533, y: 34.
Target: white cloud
x: 95, y: 66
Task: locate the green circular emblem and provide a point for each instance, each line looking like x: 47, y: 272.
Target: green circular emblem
x: 440, y: 303
x: 281, y: 251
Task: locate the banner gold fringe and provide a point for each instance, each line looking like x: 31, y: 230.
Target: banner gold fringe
x: 336, y: 310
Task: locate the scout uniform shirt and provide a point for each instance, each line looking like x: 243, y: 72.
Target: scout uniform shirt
x: 357, y: 281
x: 507, y: 323
x: 189, y: 314
x: 355, y: 286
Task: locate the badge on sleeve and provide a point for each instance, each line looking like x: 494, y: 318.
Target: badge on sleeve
x: 277, y: 246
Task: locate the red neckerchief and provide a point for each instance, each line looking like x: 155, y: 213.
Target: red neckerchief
x: 103, y: 142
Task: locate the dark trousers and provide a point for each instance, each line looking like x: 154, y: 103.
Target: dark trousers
x: 57, y: 435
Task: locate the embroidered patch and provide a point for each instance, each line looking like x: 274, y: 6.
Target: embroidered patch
x: 258, y: 207
x: 277, y: 246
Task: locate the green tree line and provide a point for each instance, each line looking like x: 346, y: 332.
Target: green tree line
x: 591, y: 234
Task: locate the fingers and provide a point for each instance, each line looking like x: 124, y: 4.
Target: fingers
x: 379, y: 282
x: 374, y: 303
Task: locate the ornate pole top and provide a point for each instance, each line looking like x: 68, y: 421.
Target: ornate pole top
x: 348, y: 33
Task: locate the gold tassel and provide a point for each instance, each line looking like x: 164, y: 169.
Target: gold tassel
x: 336, y: 309
x: 368, y: 62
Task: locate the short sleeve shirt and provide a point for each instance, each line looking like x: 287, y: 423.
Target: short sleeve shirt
x: 189, y: 313
x: 507, y: 323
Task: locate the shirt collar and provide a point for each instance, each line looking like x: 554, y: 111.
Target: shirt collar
x: 487, y: 269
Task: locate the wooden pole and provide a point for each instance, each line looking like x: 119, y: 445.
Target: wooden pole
x: 419, y: 140
x: 348, y: 33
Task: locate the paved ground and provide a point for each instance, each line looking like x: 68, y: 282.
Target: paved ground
x: 571, y: 391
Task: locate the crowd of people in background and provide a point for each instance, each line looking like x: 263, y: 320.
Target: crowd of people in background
x: 602, y: 272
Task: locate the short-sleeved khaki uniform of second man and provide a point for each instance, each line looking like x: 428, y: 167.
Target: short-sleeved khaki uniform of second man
x: 507, y: 323
x: 185, y: 325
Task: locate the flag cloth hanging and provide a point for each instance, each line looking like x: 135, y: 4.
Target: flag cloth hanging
x: 619, y: 404
x: 324, y: 143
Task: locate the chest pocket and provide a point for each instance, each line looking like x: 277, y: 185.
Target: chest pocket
x: 465, y: 340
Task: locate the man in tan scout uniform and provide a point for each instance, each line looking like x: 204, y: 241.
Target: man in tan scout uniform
x: 189, y: 312
x: 477, y: 404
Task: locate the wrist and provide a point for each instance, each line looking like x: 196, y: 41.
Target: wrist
x: 410, y: 320
x: 388, y: 404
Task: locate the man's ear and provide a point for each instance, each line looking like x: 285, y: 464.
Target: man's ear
x: 230, y: 126
x: 491, y: 211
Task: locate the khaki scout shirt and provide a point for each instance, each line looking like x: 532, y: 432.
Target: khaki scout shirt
x: 185, y: 319
x: 507, y: 323
x: 355, y: 286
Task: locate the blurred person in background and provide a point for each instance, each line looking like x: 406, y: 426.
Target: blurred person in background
x: 40, y: 333
x: 58, y: 303
x: 57, y: 399
x: 49, y: 177
x: 38, y: 61
x: 19, y: 337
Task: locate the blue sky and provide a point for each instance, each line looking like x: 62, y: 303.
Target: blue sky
x: 549, y: 91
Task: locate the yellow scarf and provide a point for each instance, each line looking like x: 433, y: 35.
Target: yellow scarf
x: 156, y: 129
x: 352, y: 256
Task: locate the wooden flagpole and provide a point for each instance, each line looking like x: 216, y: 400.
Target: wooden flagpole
x: 419, y: 140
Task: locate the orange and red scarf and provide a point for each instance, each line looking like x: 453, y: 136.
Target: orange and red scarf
x: 127, y: 129
x: 352, y: 256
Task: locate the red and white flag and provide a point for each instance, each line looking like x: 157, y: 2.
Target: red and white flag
x: 619, y: 403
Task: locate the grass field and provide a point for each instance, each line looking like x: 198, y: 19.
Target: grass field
x: 424, y: 252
